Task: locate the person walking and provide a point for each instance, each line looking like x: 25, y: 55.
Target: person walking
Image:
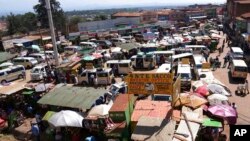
x: 246, y: 87
x: 225, y: 61
x: 24, y: 75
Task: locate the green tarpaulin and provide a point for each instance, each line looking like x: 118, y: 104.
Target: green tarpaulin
x: 27, y: 92
x: 73, y: 97
x: 211, y: 123
x: 48, y: 115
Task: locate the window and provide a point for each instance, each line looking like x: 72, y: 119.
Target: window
x: 36, y: 70
x: 242, y: 69
x: 1, y: 73
x: 83, y: 75
x: 185, y: 76
x: 123, y: 65
x: 102, y: 74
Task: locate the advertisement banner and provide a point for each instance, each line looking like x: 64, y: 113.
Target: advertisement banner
x: 150, y: 83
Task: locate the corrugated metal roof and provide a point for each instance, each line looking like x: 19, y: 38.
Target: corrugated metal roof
x: 151, y: 108
x: 153, y: 129
x: 5, y: 56
x: 73, y: 97
x: 120, y: 103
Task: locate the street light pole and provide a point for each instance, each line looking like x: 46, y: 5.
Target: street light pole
x: 52, y: 31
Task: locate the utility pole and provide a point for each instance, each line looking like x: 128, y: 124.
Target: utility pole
x: 52, y: 31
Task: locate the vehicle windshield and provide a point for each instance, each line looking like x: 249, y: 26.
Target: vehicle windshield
x: 185, y: 76
x: 35, y: 70
x: 242, y: 69
x: 113, y: 89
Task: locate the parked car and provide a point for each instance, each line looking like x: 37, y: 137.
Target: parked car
x: 103, y: 43
x: 27, y: 62
x: 12, y: 73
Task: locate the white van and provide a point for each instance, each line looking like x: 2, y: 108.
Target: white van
x: 164, y: 68
x: 237, y: 53
x: 71, y: 49
x: 198, y: 49
x: 184, y: 70
x: 238, y: 69
x: 38, y: 56
x: 123, y: 66
x: 38, y: 73
x: 166, y: 54
x: 27, y: 62
x: 89, y: 45
x: 50, y: 54
x: 198, y: 61
x: 12, y: 73
x: 102, y: 76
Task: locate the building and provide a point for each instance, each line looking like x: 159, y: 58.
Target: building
x: 3, y: 26
x: 148, y: 17
x: 164, y: 14
x: 195, y: 14
x: 126, y: 15
x: 235, y: 8
x: 108, y: 24
x: 178, y: 15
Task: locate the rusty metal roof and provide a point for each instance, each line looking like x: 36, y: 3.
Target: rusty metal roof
x: 151, y: 108
x: 120, y: 103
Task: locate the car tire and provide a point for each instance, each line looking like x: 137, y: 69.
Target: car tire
x: 20, y: 76
x: 3, y: 81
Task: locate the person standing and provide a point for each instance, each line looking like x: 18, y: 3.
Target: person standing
x: 24, y: 75
x: 92, y: 79
x: 225, y: 61
x: 246, y: 87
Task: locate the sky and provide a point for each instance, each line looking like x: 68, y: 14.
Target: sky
x: 22, y: 6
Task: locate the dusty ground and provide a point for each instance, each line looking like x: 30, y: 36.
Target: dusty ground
x: 241, y: 102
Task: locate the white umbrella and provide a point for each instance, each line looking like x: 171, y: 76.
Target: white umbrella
x: 217, y: 97
x: 218, y: 89
x: 100, y: 110
x: 66, y: 118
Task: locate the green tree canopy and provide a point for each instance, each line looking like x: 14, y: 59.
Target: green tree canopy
x: 100, y: 17
x: 21, y: 23
x: 57, y: 14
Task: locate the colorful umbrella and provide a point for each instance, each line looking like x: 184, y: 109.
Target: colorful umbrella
x: 218, y: 89
x: 88, y: 58
x: 190, y: 100
x: 217, y: 97
x: 48, y: 45
x: 36, y: 47
x: 97, y: 55
x: 197, y: 84
x: 222, y: 111
x: 202, y: 90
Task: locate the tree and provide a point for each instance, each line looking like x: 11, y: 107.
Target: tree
x: 57, y: 14
x: 73, y: 22
x: 29, y: 22
x: 13, y: 24
x: 100, y: 17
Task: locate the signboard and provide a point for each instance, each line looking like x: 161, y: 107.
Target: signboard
x: 150, y: 83
x: 185, y: 60
x: 205, y: 65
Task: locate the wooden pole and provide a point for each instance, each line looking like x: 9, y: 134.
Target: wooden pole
x: 189, y: 128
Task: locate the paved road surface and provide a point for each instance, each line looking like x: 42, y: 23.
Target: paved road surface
x: 243, y: 103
